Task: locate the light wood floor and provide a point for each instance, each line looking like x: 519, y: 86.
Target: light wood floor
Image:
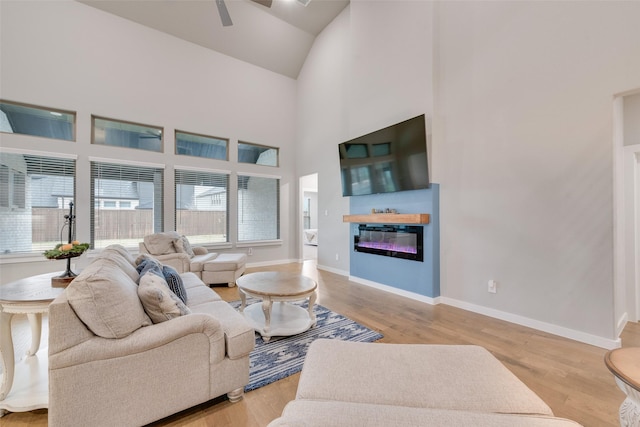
x: 569, y: 376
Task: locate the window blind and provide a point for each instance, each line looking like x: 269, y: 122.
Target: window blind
x: 258, y: 208
x: 35, y: 192
x: 202, y: 206
x: 126, y: 203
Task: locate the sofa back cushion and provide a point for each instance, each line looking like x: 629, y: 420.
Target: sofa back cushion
x: 161, y: 243
x: 122, y: 251
x: 106, y: 299
x: 115, y: 256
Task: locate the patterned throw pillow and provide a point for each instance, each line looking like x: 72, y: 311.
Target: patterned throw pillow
x: 147, y: 263
x: 182, y: 245
x: 157, y: 299
x: 174, y: 281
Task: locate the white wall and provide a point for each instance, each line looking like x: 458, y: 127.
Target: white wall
x: 67, y: 55
x: 521, y: 99
x: 369, y: 69
x: 524, y: 154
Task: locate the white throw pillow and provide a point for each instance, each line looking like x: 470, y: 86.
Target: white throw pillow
x: 105, y: 298
x: 161, y: 243
x: 182, y: 245
x: 160, y: 303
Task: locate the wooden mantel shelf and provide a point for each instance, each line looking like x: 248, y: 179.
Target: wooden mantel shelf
x: 388, y: 218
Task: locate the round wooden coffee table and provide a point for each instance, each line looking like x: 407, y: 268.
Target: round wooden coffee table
x: 282, y: 318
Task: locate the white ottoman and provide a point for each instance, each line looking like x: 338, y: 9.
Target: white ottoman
x: 225, y: 268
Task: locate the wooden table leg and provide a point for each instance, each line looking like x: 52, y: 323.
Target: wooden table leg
x: 243, y: 298
x: 35, y: 320
x: 312, y: 313
x: 6, y: 353
x: 266, y: 309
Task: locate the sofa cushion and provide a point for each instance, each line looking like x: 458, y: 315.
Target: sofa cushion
x: 160, y: 303
x: 316, y: 413
x: 454, y: 377
x: 182, y: 245
x: 239, y: 336
x: 161, y: 243
x: 174, y: 281
x: 106, y: 300
x: 198, y: 261
x: 121, y: 261
x: 122, y: 251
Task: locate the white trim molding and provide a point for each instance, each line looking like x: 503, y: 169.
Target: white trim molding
x: 401, y: 292
x: 501, y: 315
x: 536, y: 324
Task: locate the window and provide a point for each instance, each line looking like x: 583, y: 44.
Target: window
x: 139, y: 185
x: 202, y: 206
x: 37, y: 121
x: 126, y: 134
x: 258, y: 208
x: 257, y: 154
x: 190, y: 144
x: 35, y: 192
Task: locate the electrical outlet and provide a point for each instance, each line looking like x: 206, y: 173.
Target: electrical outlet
x: 492, y: 287
x: 337, y: 257
x: 250, y: 251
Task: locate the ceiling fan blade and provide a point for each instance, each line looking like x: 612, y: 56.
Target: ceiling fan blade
x: 265, y: 3
x: 224, y: 13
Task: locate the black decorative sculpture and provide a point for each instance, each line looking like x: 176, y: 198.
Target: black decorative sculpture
x: 71, y: 249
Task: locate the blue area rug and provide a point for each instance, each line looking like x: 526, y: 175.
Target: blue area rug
x: 284, y: 356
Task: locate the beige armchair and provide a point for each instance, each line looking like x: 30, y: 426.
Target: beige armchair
x: 170, y: 248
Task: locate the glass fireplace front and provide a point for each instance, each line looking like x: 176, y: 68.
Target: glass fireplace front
x: 398, y: 241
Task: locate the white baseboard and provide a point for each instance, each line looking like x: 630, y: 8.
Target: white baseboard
x: 622, y: 322
x: 583, y: 337
x: 391, y: 289
x: 572, y: 334
x: 332, y: 270
x: 268, y: 263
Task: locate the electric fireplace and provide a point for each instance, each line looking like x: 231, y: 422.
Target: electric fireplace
x: 397, y: 241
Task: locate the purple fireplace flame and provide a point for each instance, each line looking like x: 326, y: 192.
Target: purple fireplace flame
x: 398, y: 241
x: 388, y: 247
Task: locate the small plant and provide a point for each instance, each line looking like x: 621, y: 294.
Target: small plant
x: 66, y: 250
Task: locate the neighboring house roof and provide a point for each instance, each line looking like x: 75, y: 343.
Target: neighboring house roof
x: 213, y: 191
x: 113, y: 189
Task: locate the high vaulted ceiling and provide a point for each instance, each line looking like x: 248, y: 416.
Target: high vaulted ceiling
x: 276, y: 38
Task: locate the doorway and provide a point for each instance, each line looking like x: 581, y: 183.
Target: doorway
x: 627, y: 208
x: 309, y: 217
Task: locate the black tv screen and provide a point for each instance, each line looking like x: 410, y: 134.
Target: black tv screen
x: 385, y: 161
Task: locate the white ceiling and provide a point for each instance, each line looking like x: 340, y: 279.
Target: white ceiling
x: 276, y: 38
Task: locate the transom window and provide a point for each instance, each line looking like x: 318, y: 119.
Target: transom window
x: 119, y: 133
x: 37, y: 121
x: 191, y: 144
x: 257, y: 154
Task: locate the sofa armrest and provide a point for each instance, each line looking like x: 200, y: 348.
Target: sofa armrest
x: 180, y: 261
x: 199, y: 250
x: 145, y: 338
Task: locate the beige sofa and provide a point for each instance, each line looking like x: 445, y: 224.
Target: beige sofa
x: 175, y: 250
x: 127, y: 354
x: 369, y: 385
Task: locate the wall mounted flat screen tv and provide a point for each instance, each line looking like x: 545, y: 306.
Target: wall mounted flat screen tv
x: 387, y: 160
